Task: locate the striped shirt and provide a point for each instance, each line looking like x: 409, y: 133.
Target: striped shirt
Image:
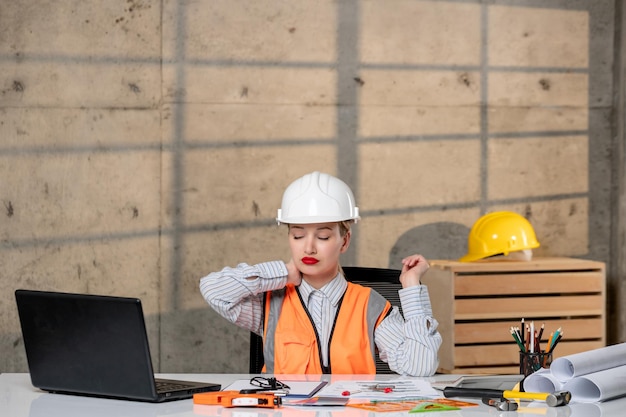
x: 408, y: 344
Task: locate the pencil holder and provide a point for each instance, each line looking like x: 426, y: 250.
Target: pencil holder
x: 532, y: 362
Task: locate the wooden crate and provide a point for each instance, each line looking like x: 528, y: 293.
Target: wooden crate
x: 476, y: 303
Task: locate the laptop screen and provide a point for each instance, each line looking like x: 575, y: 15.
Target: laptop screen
x: 86, y: 344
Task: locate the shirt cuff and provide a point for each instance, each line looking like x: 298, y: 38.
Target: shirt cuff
x: 273, y: 275
x: 415, y: 302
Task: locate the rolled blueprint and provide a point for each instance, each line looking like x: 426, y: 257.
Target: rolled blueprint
x: 571, y: 366
x: 598, y: 386
x: 541, y: 381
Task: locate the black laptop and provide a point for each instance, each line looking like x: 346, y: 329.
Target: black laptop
x: 93, y: 345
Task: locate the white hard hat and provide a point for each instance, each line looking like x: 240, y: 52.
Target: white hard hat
x: 317, y: 198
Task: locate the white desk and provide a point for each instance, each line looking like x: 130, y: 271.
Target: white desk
x: 18, y: 398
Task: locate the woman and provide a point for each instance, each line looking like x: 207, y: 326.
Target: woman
x: 312, y: 320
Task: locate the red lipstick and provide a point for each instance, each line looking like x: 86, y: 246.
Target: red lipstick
x: 309, y: 261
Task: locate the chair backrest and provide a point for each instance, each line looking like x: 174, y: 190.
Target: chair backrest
x: 385, y: 281
x: 256, y: 354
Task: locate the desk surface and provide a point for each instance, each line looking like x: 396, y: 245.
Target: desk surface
x: 18, y: 398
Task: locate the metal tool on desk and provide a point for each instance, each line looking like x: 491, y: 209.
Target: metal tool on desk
x: 552, y: 399
x: 501, y: 404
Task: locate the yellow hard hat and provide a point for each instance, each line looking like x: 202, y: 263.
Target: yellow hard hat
x: 498, y: 233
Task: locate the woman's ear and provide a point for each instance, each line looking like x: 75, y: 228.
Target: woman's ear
x: 346, y: 241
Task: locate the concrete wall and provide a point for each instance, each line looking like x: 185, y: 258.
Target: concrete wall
x: 145, y: 144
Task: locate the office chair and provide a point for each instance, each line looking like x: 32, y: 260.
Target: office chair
x: 385, y: 281
x: 256, y: 354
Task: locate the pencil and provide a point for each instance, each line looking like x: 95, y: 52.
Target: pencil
x: 556, y: 336
x: 558, y: 339
x: 549, y: 342
x: 519, y: 335
x: 519, y: 343
x: 537, y: 344
x: 541, y: 331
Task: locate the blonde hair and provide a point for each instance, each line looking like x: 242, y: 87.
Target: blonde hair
x: 344, y: 229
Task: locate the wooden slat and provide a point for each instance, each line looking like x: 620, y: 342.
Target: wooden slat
x: 491, y: 332
x: 483, y: 370
x: 536, y: 264
x: 502, y: 308
x: 529, y: 283
x: 490, y: 355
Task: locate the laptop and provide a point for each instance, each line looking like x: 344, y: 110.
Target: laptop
x: 93, y: 345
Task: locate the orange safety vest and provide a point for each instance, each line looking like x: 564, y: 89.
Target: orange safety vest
x: 291, y: 344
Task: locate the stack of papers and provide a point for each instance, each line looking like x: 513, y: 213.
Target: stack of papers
x: 395, y: 389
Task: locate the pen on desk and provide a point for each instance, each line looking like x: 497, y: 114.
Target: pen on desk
x: 399, y: 400
x: 277, y: 392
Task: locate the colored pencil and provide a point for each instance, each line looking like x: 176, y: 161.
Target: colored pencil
x: 541, y: 331
x: 515, y: 337
x: 558, y: 339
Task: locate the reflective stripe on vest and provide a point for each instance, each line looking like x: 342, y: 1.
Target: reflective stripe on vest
x: 290, y: 343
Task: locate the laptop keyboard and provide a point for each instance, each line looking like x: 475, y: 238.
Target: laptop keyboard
x: 164, y: 386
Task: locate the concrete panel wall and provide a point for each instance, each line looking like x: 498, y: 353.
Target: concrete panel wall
x: 146, y: 144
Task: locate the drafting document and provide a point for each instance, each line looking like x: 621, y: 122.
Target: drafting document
x: 382, y: 390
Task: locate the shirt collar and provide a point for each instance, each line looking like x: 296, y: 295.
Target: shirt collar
x: 334, y: 290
